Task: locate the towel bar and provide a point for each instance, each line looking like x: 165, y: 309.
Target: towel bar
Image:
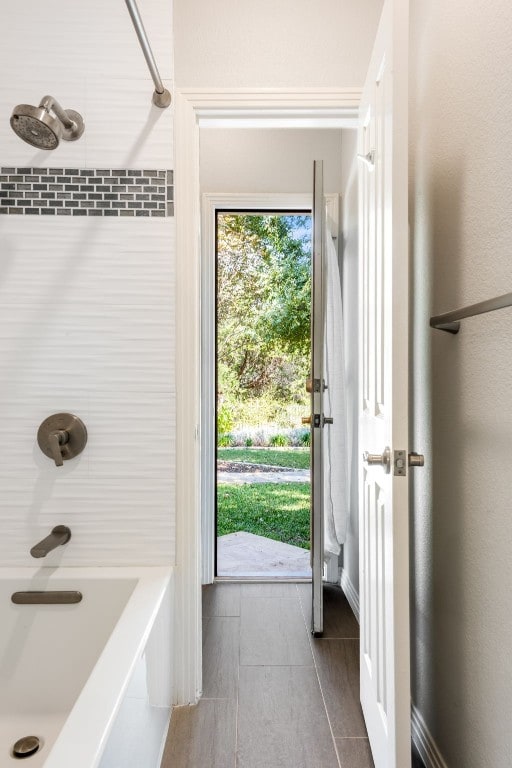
x: 450, y: 320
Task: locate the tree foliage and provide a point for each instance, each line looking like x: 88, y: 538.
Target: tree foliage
x: 263, y: 305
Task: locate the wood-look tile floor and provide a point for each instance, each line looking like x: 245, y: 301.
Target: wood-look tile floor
x: 273, y: 696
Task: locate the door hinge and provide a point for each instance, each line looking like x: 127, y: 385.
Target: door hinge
x: 399, y: 463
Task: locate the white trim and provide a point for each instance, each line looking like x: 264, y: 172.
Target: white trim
x: 190, y: 106
x: 187, y: 658
x: 276, y: 107
x: 350, y: 592
x: 424, y: 742
x: 211, y: 202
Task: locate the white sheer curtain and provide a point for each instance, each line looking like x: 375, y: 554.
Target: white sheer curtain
x: 335, y: 434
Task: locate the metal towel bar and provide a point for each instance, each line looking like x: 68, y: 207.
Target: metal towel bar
x: 48, y: 597
x: 450, y: 320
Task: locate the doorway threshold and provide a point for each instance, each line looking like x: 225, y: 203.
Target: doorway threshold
x: 243, y: 555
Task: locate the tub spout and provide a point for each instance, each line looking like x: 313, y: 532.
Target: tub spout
x: 59, y: 535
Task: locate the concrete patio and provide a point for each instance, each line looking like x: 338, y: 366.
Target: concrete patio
x: 245, y: 555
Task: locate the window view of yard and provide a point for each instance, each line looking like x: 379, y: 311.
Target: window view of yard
x: 263, y: 349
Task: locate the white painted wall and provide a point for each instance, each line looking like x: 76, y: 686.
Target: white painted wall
x: 461, y: 230
x: 86, y: 305
x: 296, y: 43
x: 268, y: 160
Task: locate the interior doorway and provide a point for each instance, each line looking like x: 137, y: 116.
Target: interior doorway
x: 263, y: 348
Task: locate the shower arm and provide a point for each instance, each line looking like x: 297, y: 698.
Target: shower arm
x: 161, y: 96
x: 49, y: 103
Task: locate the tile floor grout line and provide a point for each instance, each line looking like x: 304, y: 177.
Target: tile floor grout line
x: 237, y: 710
x: 310, y: 638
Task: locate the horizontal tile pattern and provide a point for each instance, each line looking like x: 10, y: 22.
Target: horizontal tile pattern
x: 61, y: 191
x: 87, y: 326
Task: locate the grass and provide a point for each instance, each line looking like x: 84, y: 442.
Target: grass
x: 279, y: 511
x: 282, y: 457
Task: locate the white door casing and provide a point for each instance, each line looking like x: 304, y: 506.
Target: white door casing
x: 383, y: 423
x: 285, y: 107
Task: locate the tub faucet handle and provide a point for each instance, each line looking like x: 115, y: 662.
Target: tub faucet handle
x: 55, y: 441
x: 61, y: 437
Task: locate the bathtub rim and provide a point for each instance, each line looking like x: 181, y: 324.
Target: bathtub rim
x: 85, y: 731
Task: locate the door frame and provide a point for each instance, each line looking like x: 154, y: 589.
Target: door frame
x: 271, y: 107
x: 211, y: 202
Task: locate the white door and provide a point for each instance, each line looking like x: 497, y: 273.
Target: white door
x: 384, y: 510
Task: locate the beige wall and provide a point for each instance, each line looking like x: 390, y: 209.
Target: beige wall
x: 461, y: 231
x: 253, y: 43
x: 268, y: 160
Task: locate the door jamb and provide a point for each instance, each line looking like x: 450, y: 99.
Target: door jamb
x: 283, y: 107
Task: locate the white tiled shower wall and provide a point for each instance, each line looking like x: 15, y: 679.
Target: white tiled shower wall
x: 86, y: 305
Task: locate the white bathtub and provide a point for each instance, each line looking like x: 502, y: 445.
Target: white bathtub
x: 66, y: 670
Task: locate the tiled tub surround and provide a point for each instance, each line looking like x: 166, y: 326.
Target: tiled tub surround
x: 86, y: 192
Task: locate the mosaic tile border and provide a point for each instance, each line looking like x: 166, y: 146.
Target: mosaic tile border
x: 86, y: 192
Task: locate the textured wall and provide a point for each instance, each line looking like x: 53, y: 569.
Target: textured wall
x: 290, y: 43
x: 86, y: 304
x: 461, y: 229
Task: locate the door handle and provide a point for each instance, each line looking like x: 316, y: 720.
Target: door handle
x: 378, y: 459
x: 314, y: 385
x: 325, y: 420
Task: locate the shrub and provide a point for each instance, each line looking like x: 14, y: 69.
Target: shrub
x: 305, y: 438
x: 224, y: 419
x: 249, y: 442
x: 279, y: 440
x: 224, y: 441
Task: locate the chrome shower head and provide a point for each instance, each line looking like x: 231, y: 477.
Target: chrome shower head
x: 38, y: 127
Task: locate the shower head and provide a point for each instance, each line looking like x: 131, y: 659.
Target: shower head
x: 38, y: 127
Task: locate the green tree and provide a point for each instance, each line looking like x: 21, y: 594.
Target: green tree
x: 263, y: 306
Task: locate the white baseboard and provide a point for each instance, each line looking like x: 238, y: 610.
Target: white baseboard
x: 350, y: 592
x: 424, y: 742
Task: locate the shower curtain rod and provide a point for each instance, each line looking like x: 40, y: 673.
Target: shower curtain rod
x: 161, y: 96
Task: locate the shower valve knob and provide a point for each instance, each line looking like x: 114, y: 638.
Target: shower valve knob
x: 62, y: 436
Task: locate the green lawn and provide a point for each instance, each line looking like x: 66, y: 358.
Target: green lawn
x: 297, y: 458
x: 278, y: 511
